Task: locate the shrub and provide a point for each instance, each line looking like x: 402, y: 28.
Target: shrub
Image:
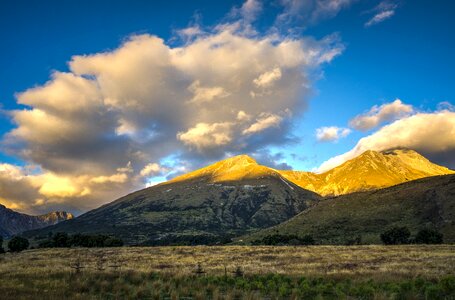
x: 113, y: 242
x: 396, y: 236
x: 18, y: 244
x: 1, y: 245
x: 429, y: 236
x: 307, y: 240
x: 281, y: 239
x: 61, y: 240
x: 46, y: 244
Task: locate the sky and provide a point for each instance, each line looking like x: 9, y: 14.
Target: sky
x: 101, y: 98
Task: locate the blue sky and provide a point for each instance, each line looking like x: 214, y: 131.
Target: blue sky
x: 408, y: 56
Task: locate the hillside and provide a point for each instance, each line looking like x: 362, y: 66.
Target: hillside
x: 12, y: 222
x: 228, y: 198
x: 416, y: 204
x: 369, y: 171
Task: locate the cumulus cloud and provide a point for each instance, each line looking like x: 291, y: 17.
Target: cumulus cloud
x: 36, y: 192
x: 205, y: 136
x: 263, y: 122
x: 206, y: 94
x: 153, y: 169
x: 378, y: 115
x: 431, y: 134
x: 382, y: 12
x: 99, y: 125
x: 268, y: 78
x: 331, y: 133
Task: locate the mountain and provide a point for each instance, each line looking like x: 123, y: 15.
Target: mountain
x: 12, y: 222
x: 369, y: 171
x: 428, y: 202
x: 228, y: 198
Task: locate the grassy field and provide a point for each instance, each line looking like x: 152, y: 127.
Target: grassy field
x: 325, y: 272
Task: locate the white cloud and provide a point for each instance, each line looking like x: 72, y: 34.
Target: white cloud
x: 152, y: 169
x: 329, y: 8
x: 431, y: 134
x: 311, y: 11
x: 331, y: 133
x: 243, y: 116
x: 263, y: 122
x: 378, y: 115
x: 147, y: 100
x: 268, y: 78
x: 206, y: 94
x: 205, y: 136
x: 382, y: 12
x: 250, y: 10
x: 115, y: 178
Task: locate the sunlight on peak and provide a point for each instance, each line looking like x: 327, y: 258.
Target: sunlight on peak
x: 235, y: 168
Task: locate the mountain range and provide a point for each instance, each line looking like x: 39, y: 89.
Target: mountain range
x: 12, y: 222
x: 371, y: 170
x: 229, y: 198
x: 237, y: 196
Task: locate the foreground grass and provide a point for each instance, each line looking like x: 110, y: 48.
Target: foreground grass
x: 364, y: 272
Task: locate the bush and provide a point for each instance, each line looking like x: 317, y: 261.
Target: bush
x: 46, y: 244
x: 1, y: 245
x: 279, y: 239
x: 189, y: 240
x: 396, y: 236
x: 61, y: 240
x: 429, y: 236
x: 18, y: 244
x: 113, y: 242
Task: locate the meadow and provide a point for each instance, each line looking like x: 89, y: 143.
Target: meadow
x: 231, y: 272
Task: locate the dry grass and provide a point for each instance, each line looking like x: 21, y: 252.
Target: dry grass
x: 357, y: 263
x: 353, y: 261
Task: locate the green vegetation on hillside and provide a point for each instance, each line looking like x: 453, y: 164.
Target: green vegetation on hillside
x: 192, y: 212
x: 420, y: 204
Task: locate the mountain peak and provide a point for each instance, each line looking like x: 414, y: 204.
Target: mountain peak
x: 56, y: 216
x: 368, y: 171
x: 231, y: 169
x: 240, y: 160
x: 12, y: 222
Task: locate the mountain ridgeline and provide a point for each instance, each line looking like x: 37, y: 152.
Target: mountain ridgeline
x: 371, y: 170
x: 12, y: 222
x: 237, y: 196
x: 226, y: 199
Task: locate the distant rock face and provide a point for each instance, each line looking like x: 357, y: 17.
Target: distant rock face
x: 228, y: 198
x: 369, y: 171
x: 12, y: 222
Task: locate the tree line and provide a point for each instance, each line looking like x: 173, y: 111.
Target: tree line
x: 63, y: 240
x: 402, y: 235
x: 392, y: 236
